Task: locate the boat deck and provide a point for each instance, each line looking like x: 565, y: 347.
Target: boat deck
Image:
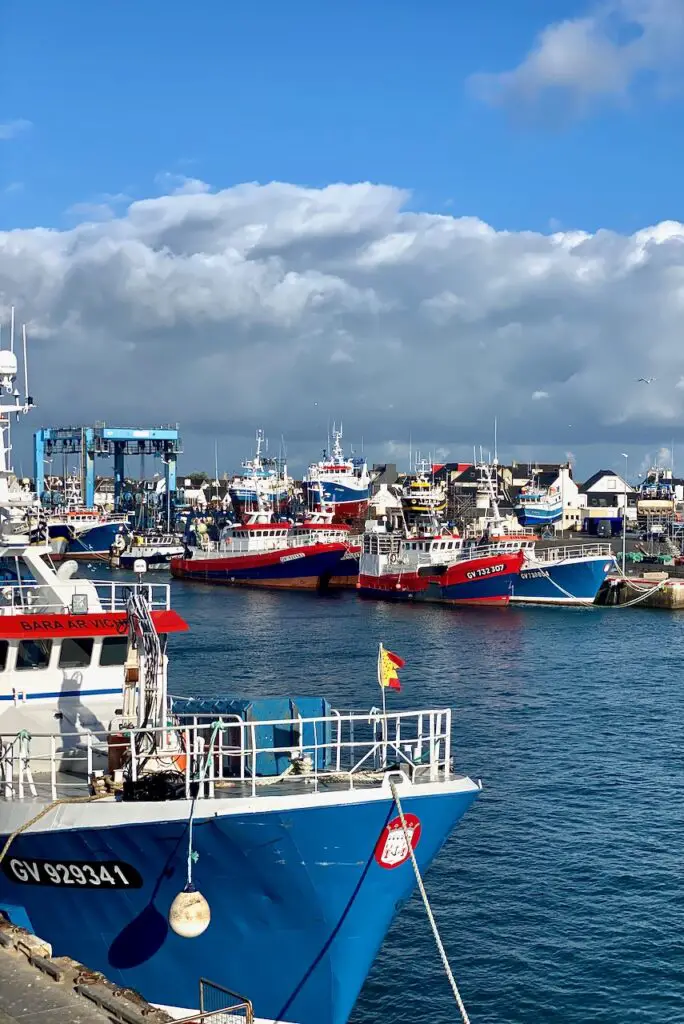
x: 71, y: 786
x: 226, y: 757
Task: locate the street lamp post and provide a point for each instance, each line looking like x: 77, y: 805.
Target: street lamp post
x: 624, y: 518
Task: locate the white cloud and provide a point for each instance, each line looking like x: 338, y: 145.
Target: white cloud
x: 538, y: 395
x: 180, y: 184
x: 232, y: 309
x: 664, y: 458
x: 91, y: 211
x: 11, y: 129
x: 101, y: 207
x: 598, y: 56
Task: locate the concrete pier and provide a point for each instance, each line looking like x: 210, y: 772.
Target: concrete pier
x: 37, y: 988
x: 649, y: 590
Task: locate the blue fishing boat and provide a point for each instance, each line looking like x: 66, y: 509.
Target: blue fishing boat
x: 539, y: 506
x: 76, y: 531
x: 263, y: 481
x: 567, y: 575
x: 337, y: 484
x: 570, y: 574
x: 303, y: 871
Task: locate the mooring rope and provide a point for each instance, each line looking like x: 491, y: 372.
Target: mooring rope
x: 643, y: 594
x: 41, y: 814
x: 428, y: 909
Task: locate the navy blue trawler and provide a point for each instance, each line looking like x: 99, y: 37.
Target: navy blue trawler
x: 264, y: 845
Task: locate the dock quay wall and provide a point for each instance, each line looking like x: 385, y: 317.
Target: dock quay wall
x: 649, y: 590
x: 33, y: 982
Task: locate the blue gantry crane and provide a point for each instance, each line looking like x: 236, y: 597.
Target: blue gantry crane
x: 102, y: 441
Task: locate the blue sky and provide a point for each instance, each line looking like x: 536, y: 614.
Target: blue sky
x: 311, y: 93
x: 508, y: 258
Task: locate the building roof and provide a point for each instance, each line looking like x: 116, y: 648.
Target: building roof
x: 469, y: 475
x: 599, y: 475
x: 540, y: 467
x: 384, y: 473
x: 546, y: 478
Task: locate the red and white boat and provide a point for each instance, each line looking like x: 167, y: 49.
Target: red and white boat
x: 63, y: 641
x: 260, y: 553
x: 431, y: 563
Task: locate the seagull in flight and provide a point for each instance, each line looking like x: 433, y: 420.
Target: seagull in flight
x: 645, y: 380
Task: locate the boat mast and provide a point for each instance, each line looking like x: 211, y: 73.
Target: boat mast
x: 8, y: 375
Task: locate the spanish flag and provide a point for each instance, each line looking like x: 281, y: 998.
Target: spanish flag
x: 388, y: 664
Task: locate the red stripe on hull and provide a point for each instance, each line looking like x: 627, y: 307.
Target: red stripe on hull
x: 492, y: 574
x: 368, y: 587
x: 91, y: 624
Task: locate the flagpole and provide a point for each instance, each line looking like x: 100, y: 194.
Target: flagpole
x: 384, y: 709
x: 382, y: 688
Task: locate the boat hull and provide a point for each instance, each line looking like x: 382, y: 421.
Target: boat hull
x: 478, y: 581
x: 531, y: 515
x: 303, y: 568
x: 157, y: 560
x: 88, y: 543
x: 347, y: 572
x: 344, y: 501
x: 570, y: 581
x: 416, y: 507
x: 299, y: 901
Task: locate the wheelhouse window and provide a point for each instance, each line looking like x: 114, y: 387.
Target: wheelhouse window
x: 114, y: 649
x: 76, y: 652
x: 33, y: 654
x: 4, y: 648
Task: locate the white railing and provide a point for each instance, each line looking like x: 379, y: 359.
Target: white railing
x: 412, y: 560
x: 29, y: 597
x: 559, y: 554
x: 228, y: 757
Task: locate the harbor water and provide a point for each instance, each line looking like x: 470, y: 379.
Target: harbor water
x: 559, y: 896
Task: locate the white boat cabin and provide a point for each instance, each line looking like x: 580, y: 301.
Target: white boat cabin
x: 390, y: 551
x: 142, y: 545
x: 253, y: 538
x: 318, y: 533
x: 63, y: 646
x: 257, y: 535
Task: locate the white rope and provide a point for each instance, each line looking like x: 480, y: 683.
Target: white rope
x: 628, y: 604
x: 428, y: 910
x: 193, y: 856
x: 563, y: 591
x: 191, y: 852
x: 643, y: 594
x: 566, y: 593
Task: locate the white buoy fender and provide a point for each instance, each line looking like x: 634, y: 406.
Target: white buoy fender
x: 189, y: 914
